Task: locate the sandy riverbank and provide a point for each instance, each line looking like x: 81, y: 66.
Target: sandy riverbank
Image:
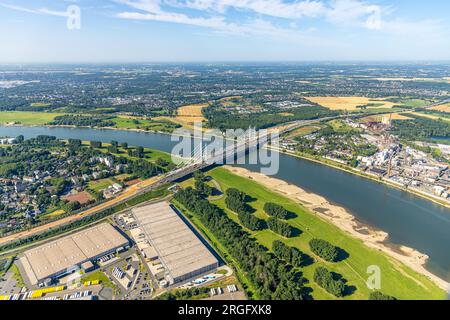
x: 344, y: 220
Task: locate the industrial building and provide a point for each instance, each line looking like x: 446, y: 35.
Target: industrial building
x: 166, y: 239
x: 55, y: 259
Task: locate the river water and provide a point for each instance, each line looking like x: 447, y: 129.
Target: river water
x: 409, y: 220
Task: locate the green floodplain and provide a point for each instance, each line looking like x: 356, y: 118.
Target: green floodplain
x: 398, y: 280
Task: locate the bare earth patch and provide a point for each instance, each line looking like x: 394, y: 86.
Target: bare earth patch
x: 82, y: 197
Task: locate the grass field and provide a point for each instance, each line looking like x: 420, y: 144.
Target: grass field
x: 416, y: 103
x: 27, y: 118
x: 150, y: 154
x: 350, y: 103
x: 104, y: 280
x: 303, y: 131
x: 39, y: 104
x: 100, y: 184
x: 340, y: 126
x: 397, y: 279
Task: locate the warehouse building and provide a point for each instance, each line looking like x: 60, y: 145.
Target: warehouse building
x: 181, y: 253
x: 58, y: 258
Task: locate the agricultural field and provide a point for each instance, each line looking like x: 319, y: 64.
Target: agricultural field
x: 392, y: 116
x: 442, y: 108
x: 432, y: 116
x: 414, y: 79
x: 351, y: 103
x: 100, y: 185
x: 190, y: 114
x: 27, y: 118
x: 398, y: 280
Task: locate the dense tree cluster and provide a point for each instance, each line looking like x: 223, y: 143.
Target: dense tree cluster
x: 95, y: 144
x: 282, y: 228
x: 291, y: 255
x: 137, y: 152
x: 143, y: 169
x: 377, y: 295
x: 200, y: 184
x: 251, y: 222
x: 223, y: 119
x: 324, y: 249
x: 331, y: 282
x: 235, y: 201
x: 184, y: 294
x: 202, y: 187
x: 270, y: 276
x: 420, y: 127
x: 275, y: 210
x: 82, y: 121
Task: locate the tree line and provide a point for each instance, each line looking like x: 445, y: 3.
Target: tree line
x: 270, y: 276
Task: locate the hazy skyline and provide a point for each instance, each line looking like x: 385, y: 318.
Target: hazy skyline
x: 223, y: 30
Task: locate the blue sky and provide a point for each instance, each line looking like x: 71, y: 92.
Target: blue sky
x: 223, y: 30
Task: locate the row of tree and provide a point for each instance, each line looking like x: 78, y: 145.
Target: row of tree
x: 236, y: 201
x: 201, y: 186
x: 282, y: 228
x: 271, y: 277
x: 251, y: 222
x: 83, y: 121
x: 331, y: 282
x: 324, y: 249
x: 276, y: 211
x: 291, y: 255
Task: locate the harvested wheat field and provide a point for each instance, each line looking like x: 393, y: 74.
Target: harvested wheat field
x: 442, y: 108
x: 350, y: 103
x: 190, y: 114
x: 193, y: 110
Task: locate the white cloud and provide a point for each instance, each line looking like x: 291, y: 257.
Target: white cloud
x: 35, y: 11
x: 152, y: 10
x: 214, y: 22
x: 274, y: 8
x: 17, y: 8
x: 354, y: 13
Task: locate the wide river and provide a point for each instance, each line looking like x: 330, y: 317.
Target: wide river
x: 409, y: 220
